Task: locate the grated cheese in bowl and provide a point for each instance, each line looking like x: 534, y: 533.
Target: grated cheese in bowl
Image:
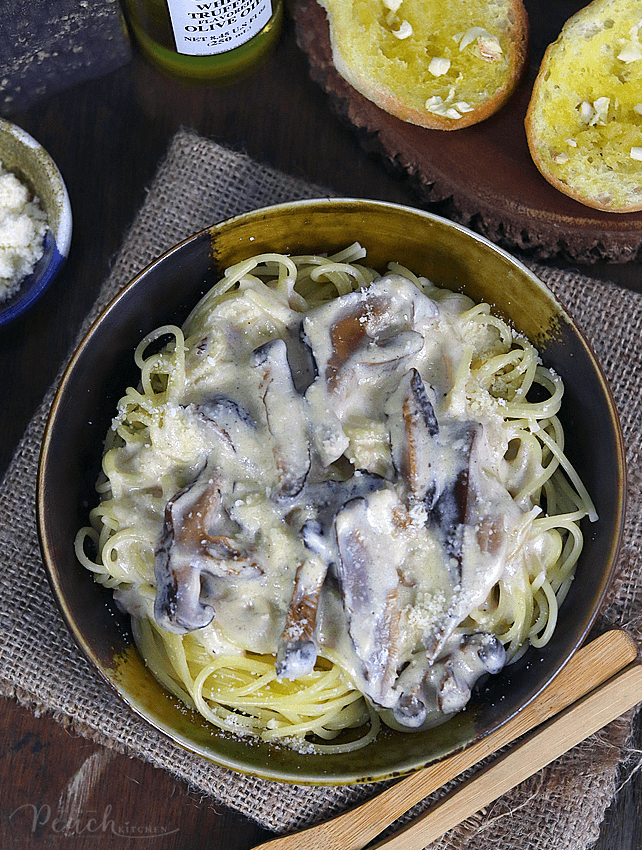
x: 23, y: 225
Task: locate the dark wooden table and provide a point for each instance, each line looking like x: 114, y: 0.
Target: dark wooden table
x: 107, y: 136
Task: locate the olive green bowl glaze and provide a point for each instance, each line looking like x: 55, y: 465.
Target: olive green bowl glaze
x: 103, y: 366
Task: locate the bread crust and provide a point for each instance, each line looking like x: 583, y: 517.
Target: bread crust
x: 599, y: 186
x: 515, y: 31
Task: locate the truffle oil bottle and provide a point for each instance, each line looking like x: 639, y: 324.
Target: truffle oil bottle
x: 206, y: 40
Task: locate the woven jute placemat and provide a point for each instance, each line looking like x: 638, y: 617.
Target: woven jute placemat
x: 561, y: 807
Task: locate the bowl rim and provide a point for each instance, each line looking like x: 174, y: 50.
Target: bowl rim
x: 208, y: 232
x: 18, y: 304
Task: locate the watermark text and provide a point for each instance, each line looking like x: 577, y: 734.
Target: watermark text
x: 43, y: 817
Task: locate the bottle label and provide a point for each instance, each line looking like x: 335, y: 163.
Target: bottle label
x: 207, y: 27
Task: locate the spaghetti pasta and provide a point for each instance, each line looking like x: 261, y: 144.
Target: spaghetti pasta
x: 335, y: 498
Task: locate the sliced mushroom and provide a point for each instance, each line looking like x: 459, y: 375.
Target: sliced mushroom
x: 358, y: 323
x: 286, y: 419
x: 368, y: 576
x: 235, y: 427
x: 193, y: 542
x: 475, y: 541
x: 327, y: 436
x: 225, y: 413
x: 314, y: 510
x: 429, y: 690
x: 364, y: 339
x: 316, y: 540
x: 297, y: 648
x: 413, y: 427
x: 300, y: 358
x: 449, y: 512
x: 477, y: 655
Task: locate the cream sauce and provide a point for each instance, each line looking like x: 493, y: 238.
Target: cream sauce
x: 357, y: 507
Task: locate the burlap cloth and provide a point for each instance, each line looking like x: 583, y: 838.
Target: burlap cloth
x: 197, y: 184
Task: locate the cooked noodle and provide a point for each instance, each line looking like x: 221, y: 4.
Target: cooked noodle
x: 231, y: 684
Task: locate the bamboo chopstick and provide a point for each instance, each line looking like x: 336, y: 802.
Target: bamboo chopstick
x: 587, y: 669
x: 543, y: 746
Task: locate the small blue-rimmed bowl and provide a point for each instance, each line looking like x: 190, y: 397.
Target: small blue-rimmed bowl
x: 30, y: 162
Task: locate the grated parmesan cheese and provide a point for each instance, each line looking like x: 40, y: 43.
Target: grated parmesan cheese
x: 23, y: 225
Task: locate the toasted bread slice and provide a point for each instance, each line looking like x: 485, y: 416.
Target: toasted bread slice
x: 584, y: 120
x: 442, y: 65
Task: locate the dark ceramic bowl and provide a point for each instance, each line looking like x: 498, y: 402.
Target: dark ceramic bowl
x: 29, y: 161
x: 103, y: 366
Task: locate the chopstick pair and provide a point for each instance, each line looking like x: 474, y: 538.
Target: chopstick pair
x: 599, y: 683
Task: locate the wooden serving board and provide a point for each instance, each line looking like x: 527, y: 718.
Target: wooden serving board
x: 483, y: 176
